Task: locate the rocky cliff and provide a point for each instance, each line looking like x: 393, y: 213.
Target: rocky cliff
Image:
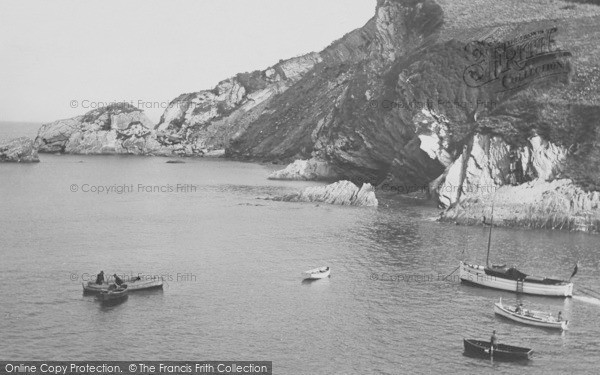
x: 410, y: 100
x: 208, y: 120
x: 20, y: 150
x: 469, y: 98
x: 116, y: 129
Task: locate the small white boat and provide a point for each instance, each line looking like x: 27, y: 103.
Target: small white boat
x: 317, y: 273
x: 529, y: 317
x: 141, y: 283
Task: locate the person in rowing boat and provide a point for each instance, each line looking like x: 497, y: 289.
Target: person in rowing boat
x: 100, y: 278
x: 519, y: 309
x: 118, y: 280
x: 559, y: 317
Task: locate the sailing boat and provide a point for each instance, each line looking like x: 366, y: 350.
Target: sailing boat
x: 511, y: 279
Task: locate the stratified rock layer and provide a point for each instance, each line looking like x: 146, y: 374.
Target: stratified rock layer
x: 343, y: 193
x: 557, y: 204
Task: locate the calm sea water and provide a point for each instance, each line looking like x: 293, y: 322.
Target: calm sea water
x: 232, y: 264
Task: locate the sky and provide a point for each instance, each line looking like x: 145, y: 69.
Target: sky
x: 62, y: 58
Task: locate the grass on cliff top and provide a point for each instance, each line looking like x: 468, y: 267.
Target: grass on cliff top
x: 466, y: 14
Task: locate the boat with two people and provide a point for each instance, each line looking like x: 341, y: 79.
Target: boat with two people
x: 530, y: 317
x: 316, y: 273
x: 511, y: 279
x: 137, y: 283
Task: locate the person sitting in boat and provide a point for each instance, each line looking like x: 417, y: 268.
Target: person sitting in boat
x: 118, y: 280
x: 519, y: 309
x: 559, y: 317
x: 100, y: 278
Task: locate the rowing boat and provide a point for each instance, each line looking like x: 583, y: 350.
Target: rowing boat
x: 317, y: 273
x: 502, y: 352
x: 530, y: 317
x: 113, y: 295
x: 134, y: 285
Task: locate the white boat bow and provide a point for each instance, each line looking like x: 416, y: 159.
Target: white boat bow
x: 317, y: 273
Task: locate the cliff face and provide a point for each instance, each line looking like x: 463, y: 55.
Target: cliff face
x: 488, y: 162
x: 208, y: 120
x: 335, y: 113
x: 408, y: 100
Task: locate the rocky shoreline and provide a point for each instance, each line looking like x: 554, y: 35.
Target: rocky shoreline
x: 558, y: 205
x: 390, y: 105
x: 18, y: 150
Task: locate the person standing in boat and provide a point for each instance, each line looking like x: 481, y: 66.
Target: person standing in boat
x: 493, y: 341
x: 100, y: 278
x: 559, y: 317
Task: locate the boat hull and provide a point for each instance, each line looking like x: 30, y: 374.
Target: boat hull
x: 92, y: 287
x: 112, y: 296
x: 476, y: 275
x: 508, y: 353
x: 317, y: 273
x: 502, y: 310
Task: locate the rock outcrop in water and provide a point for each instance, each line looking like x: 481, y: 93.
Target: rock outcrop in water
x: 20, y: 150
x: 305, y: 170
x: 116, y: 129
x: 343, y: 193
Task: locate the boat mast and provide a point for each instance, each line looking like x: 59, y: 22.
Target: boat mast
x: 487, y: 259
